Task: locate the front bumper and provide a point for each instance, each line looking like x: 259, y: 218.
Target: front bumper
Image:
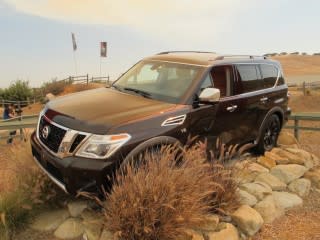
x: 72, y: 174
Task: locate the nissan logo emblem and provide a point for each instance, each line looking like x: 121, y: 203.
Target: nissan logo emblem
x: 45, y: 132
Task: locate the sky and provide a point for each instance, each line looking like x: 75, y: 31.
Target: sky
x: 35, y: 35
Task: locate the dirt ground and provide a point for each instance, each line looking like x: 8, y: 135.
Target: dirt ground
x: 298, y: 224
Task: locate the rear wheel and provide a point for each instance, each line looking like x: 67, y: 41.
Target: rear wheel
x: 269, y: 134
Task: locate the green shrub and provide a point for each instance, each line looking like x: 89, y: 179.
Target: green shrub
x: 17, y: 91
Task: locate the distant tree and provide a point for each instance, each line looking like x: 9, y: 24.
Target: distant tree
x: 270, y: 54
x: 294, y: 53
x: 283, y: 53
x: 304, y: 53
x: 17, y: 91
x: 316, y: 54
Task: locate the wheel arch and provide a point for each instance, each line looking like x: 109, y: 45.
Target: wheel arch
x: 150, y: 143
x: 274, y: 111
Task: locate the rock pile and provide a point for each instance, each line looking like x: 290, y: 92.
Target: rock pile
x: 268, y: 186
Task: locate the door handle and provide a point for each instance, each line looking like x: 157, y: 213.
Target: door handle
x: 232, y: 108
x: 264, y: 99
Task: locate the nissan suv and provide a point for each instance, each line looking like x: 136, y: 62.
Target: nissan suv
x: 83, y: 138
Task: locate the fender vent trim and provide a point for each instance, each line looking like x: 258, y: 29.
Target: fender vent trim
x: 177, y: 120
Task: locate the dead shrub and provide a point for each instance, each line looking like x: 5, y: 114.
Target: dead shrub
x: 161, y: 199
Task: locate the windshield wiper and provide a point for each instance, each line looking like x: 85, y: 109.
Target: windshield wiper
x: 138, y: 91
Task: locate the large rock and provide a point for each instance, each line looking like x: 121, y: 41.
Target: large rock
x: 248, y: 171
x: 246, y: 198
x: 267, y: 162
x: 76, y: 208
x: 191, y: 234
x: 49, y: 221
x: 70, y: 229
x: 226, y: 232
x: 93, y: 224
x: 316, y: 160
x: 268, y: 210
x: 106, y: 235
x: 288, y: 173
x: 247, y: 219
x: 293, y: 158
x: 302, y: 154
x: 300, y: 186
x: 314, y: 176
x: 211, y: 224
x: 286, y: 200
x: 286, y: 138
x: 272, y: 181
x: 257, y: 189
x: 275, y: 157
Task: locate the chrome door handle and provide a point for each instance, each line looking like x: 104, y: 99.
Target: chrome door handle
x: 232, y: 108
x: 264, y: 99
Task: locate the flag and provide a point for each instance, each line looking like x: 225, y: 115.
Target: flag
x: 103, y: 49
x: 74, y: 44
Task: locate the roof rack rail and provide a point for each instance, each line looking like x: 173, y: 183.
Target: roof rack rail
x: 240, y: 56
x: 167, y: 52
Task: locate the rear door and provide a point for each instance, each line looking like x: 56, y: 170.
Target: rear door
x: 250, y: 89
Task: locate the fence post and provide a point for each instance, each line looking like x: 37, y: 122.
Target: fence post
x: 304, y: 88
x: 296, y: 128
x: 34, y: 100
x: 87, y: 78
x: 3, y: 103
x: 108, y: 80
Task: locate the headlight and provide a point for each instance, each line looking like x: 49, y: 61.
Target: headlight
x: 102, y: 146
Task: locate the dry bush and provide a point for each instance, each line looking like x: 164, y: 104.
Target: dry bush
x: 162, y: 198
x: 23, y: 188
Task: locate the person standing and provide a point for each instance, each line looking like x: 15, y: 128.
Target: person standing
x: 7, y: 114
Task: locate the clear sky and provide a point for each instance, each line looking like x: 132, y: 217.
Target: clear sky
x: 35, y: 35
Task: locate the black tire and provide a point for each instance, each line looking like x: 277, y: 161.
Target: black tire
x: 269, y: 134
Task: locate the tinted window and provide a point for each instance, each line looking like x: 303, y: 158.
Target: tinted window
x: 250, y: 78
x: 222, y: 77
x: 269, y: 74
x: 206, y: 83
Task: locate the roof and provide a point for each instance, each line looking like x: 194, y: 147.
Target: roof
x: 203, y: 58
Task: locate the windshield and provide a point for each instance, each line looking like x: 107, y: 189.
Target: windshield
x: 158, y: 80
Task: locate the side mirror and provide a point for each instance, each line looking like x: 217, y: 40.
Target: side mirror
x: 209, y: 95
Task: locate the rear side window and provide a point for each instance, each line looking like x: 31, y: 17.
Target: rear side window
x: 250, y: 78
x: 269, y: 74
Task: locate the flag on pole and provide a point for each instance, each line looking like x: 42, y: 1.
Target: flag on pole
x: 103, y: 49
x: 74, y: 44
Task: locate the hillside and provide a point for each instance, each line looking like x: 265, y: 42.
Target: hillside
x: 298, y: 65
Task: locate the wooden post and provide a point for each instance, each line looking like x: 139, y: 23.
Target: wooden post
x: 3, y: 103
x: 304, y: 88
x: 87, y: 78
x: 296, y: 128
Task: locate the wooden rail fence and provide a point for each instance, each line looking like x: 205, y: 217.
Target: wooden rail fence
x: 297, y: 117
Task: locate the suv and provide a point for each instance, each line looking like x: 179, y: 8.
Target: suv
x: 84, y: 137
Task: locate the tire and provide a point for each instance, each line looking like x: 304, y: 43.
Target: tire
x: 269, y: 134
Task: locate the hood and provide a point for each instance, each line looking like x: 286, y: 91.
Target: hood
x: 96, y: 111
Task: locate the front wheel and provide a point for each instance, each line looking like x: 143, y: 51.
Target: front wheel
x: 269, y: 134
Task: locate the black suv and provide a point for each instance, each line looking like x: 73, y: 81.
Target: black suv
x: 82, y: 138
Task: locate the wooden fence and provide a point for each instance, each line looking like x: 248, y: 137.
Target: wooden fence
x: 86, y: 79
x: 297, y: 117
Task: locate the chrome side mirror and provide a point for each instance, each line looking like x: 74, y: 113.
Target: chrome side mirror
x: 209, y: 95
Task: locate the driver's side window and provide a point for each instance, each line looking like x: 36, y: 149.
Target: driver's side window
x: 207, y: 82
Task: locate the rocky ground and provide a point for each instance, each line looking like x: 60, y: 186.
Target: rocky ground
x: 279, y: 200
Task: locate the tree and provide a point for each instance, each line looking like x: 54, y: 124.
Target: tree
x: 17, y: 91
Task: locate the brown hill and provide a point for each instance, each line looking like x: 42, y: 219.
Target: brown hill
x: 298, y: 65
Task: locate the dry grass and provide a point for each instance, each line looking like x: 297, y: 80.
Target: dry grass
x: 23, y: 187
x: 80, y: 87
x: 296, y: 65
x: 301, y: 224
x: 163, y: 197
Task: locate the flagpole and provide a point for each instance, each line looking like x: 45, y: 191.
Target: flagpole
x: 75, y: 63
